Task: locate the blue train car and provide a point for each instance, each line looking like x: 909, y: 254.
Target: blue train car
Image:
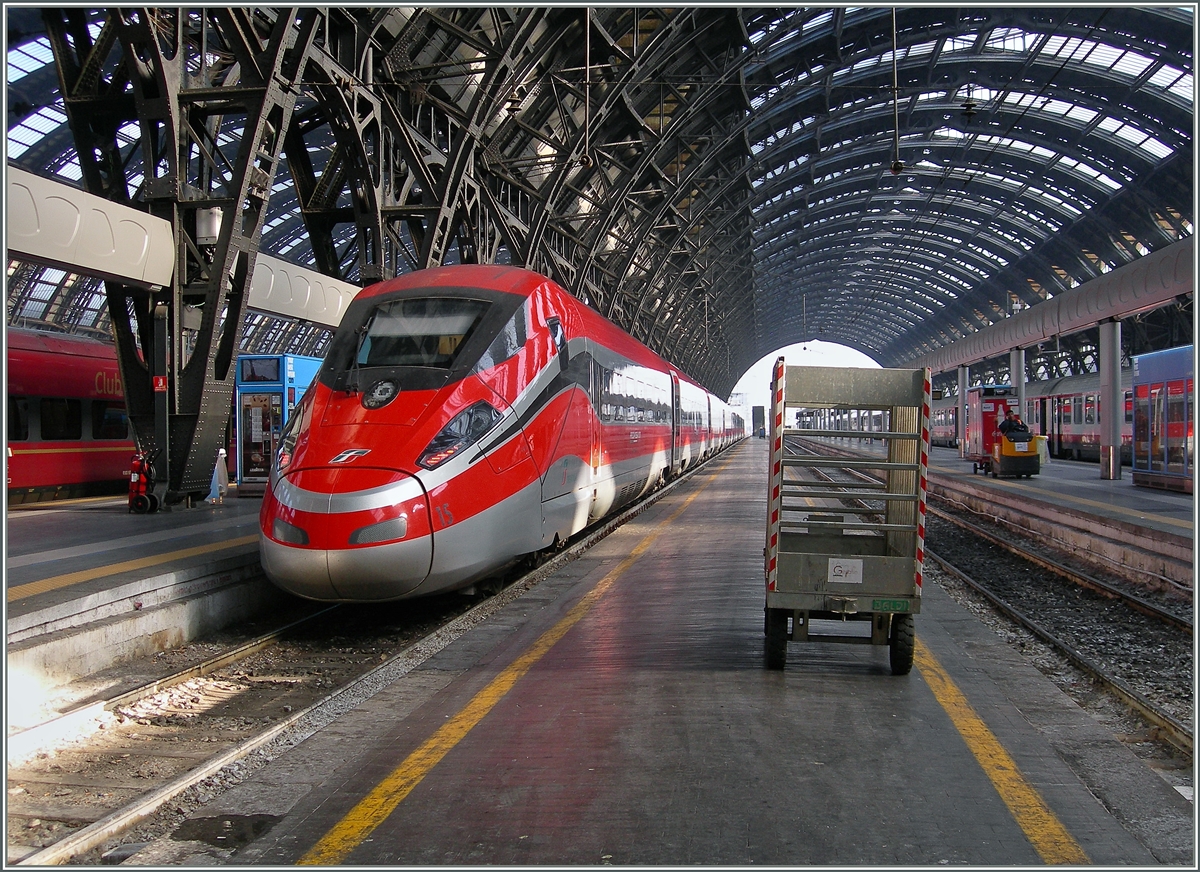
x: 268, y: 387
x: 1164, y: 410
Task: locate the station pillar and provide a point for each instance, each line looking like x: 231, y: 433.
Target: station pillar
x: 960, y: 419
x: 1016, y: 373
x: 1112, y: 400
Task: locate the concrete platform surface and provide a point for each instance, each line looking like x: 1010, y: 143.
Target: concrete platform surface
x: 620, y: 713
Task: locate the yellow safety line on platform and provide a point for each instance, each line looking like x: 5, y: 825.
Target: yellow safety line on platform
x: 350, y: 832
x: 46, y: 584
x: 1049, y: 837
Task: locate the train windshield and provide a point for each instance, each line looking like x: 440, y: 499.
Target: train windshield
x: 425, y: 332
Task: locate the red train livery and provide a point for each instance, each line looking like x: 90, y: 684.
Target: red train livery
x: 68, y: 434
x: 463, y: 417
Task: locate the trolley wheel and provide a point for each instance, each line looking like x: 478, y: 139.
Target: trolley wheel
x: 140, y: 504
x: 995, y: 473
x: 900, y: 647
x: 153, y: 503
x: 776, y: 645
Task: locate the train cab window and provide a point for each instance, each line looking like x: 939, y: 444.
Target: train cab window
x: 557, y: 334
x: 18, y: 419
x: 510, y: 340
x: 61, y: 418
x: 109, y: 420
x: 425, y: 332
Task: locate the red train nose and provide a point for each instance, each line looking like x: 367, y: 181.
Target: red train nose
x: 341, y: 532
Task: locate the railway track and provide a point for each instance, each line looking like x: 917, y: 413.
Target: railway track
x: 1136, y: 644
x: 77, y: 783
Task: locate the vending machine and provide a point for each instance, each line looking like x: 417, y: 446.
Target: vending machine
x: 268, y: 388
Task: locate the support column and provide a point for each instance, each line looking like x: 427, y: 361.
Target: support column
x: 960, y: 419
x: 1112, y: 400
x: 1016, y: 372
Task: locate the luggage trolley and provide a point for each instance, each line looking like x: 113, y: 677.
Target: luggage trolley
x: 850, y: 551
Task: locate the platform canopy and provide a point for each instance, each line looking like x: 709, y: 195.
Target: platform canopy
x: 720, y: 182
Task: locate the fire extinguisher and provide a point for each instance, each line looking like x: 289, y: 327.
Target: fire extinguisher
x: 141, y: 483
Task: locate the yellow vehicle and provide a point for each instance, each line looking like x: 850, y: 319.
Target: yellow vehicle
x: 1014, y: 454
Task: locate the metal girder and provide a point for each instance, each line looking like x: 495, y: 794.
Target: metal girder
x: 692, y: 172
x: 212, y: 93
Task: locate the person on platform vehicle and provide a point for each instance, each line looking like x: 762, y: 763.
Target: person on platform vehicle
x: 1012, y: 423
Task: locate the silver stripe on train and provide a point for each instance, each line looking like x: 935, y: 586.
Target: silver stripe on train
x: 303, y: 500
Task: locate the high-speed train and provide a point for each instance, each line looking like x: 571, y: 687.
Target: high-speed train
x: 463, y: 417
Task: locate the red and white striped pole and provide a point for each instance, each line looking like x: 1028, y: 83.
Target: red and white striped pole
x: 775, y: 486
x: 923, y: 481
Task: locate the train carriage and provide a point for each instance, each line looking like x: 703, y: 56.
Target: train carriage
x: 1164, y: 411
x: 68, y: 434
x: 464, y: 417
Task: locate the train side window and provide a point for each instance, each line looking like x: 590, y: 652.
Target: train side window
x: 1078, y: 405
x: 61, y: 418
x: 109, y: 420
x: 1089, y: 409
x: 18, y: 419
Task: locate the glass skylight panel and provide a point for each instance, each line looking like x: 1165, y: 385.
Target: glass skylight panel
x: 1132, y: 64
x: 1179, y: 83
x: 1011, y: 39
x: 45, y: 120
x: 28, y: 58
x: 959, y: 43
x: 921, y: 49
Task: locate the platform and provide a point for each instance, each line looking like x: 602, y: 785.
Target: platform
x: 620, y: 713
x: 71, y: 550
x: 1078, y: 485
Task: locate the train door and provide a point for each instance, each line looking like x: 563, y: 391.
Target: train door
x: 1177, y: 428
x: 675, y: 424
x: 1157, y: 428
x: 596, y: 378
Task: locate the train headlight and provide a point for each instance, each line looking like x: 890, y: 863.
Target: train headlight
x: 464, y: 430
x: 396, y: 528
x: 289, y: 533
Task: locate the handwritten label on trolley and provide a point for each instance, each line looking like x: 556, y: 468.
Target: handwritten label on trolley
x: 1021, y: 446
x: 845, y: 570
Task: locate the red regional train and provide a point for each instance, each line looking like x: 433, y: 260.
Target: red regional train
x: 68, y: 435
x: 1064, y: 410
x: 464, y: 417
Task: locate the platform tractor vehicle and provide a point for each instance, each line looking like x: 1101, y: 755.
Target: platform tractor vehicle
x: 846, y: 535
x: 1009, y: 454
x: 463, y: 418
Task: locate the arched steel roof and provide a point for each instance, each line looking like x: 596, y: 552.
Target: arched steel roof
x: 720, y: 182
